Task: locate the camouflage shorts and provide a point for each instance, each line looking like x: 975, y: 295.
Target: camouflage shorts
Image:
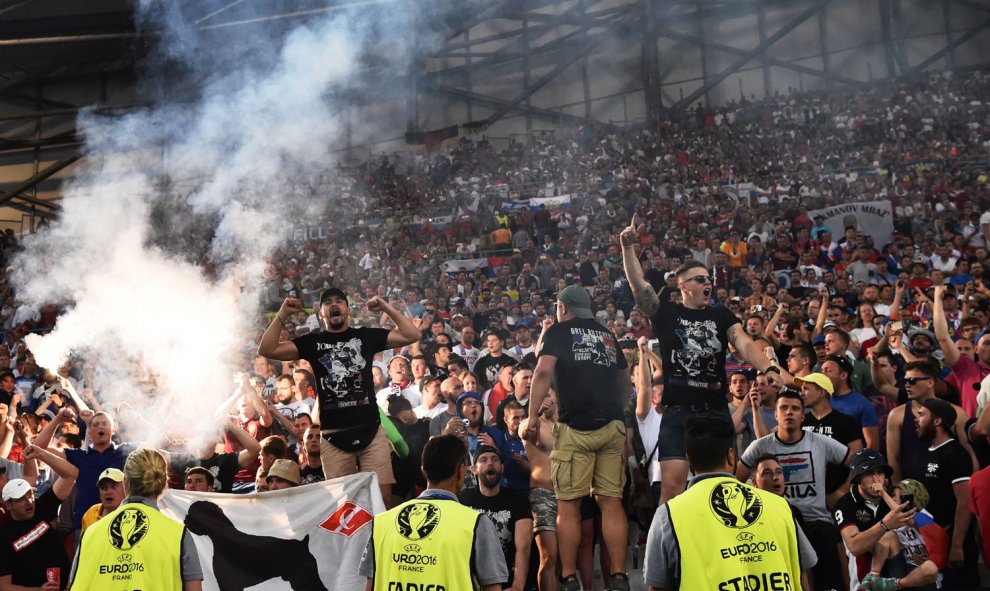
x: 543, y: 503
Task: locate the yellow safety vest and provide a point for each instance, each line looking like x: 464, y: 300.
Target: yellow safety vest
x: 133, y: 548
x: 734, y: 537
x: 425, y: 545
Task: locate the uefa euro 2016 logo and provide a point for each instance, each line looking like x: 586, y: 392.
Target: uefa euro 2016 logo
x: 418, y: 520
x: 735, y: 505
x: 128, y: 528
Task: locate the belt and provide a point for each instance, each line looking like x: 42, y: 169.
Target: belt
x: 692, y: 384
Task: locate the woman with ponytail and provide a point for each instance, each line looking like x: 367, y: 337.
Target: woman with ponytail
x: 136, y: 546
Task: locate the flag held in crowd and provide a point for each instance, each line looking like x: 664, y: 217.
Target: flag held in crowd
x: 247, y: 541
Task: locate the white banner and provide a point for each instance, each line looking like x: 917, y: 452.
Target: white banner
x: 458, y: 265
x: 309, y: 537
x: 871, y: 217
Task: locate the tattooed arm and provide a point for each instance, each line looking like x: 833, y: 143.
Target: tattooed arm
x: 646, y: 297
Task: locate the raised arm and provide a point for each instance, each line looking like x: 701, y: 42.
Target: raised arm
x: 895, y: 307
x: 67, y: 472
x: 80, y: 403
x: 752, y: 353
x: 822, y: 313
x: 644, y: 385
x: 44, y: 438
x: 270, y: 346
x: 646, y: 297
x: 404, y: 333
x: 251, y: 445
x: 949, y: 348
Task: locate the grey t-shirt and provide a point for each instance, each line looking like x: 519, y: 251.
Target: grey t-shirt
x: 662, y: 568
x: 489, y: 563
x: 803, y: 463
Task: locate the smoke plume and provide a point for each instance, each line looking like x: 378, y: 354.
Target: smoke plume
x: 160, y: 254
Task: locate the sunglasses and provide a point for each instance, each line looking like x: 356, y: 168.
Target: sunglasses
x: 913, y: 380
x: 700, y: 279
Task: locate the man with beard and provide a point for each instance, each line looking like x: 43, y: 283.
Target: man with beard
x: 466, y: 349
x: 508, y: 511
x: 287, y: 408
x: 311, y: 468
x: 905, y: 449
x: 341, y: 357
x: 948, y: 468
x: 450, y: 390
x: 694, y: 338
x: 524, y: 342
x: 542, y: 499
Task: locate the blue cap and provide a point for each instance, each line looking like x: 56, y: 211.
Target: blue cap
x: 819, y: 340
x: 465, y: 396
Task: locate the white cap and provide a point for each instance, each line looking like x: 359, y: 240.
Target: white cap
x: 16, y: 488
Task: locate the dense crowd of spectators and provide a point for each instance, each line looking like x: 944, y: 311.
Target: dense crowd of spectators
x: 438, y: 235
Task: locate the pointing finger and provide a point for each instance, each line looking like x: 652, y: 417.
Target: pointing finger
x: 632, y: 224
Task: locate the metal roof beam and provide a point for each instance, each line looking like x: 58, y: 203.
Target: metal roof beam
x: 748, y: 56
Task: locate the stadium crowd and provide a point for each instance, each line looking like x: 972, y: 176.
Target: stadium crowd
x: 887, y: 341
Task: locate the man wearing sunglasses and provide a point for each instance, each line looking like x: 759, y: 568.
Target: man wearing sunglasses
x: 905, y: 448
x: 694, y: 338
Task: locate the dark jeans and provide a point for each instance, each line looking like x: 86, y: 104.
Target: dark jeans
x: 824, y: 538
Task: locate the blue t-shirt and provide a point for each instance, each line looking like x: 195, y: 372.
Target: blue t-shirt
x: 91, y: 464
x: 514, y: 477
x: 858, y: 407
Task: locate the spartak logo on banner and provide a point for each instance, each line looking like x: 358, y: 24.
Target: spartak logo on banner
x: 347, y: 519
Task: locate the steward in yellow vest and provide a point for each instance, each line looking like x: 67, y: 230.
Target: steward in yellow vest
x: 427, y: 544
x: 721, y: 534
x: 136, y: 547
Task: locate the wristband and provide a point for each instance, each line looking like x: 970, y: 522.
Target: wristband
x: 884, y: 526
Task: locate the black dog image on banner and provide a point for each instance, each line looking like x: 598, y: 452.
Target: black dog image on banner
x: 243, y: 560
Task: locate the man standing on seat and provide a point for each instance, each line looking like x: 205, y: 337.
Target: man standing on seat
x: 341, y: 356
x: 693, y: 339
x: 582, y: 358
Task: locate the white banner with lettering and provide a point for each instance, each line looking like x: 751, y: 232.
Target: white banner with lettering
x: 874, y: 218
x: 308, y: 537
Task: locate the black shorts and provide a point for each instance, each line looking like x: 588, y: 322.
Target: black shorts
x: 670, y: 443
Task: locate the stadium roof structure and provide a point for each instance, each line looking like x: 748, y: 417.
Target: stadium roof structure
x: 507, y: 66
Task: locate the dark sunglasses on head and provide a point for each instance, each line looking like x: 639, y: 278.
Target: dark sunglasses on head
x: 913, y: 380
x: 700, y: 279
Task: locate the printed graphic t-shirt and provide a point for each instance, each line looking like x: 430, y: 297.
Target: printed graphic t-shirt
x: 693, y: 345
x: 342, y: 366
x: 588, y: 360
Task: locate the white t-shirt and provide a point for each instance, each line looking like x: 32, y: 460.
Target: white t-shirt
x: 410, y: 393
x: 649, y: 432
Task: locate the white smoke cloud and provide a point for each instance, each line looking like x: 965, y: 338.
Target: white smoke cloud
x: 233, y: 160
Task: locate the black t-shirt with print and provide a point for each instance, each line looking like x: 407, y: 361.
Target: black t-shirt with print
x: 309, y: 475
x: 488, y: 367
x: 693, y: 344
x: 29, y: 548
x: 842, y: 428
x: 342, y: 366
x: 944, y: 467
x: 588, y: 364
x: 504, y: 510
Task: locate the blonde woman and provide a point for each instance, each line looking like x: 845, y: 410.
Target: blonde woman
x: 136, y: 545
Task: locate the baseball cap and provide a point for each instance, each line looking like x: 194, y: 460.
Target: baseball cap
x: 819, y: 340
x: 111, y: 474
x: 867, y: 460
x: 819, y: 379
x: 330, y: 292
x: 201, y: 470
x: 460, y: 400
x: 16, y: 489
x: 287, y: 470
x: 485, y: 449
x: 428, y: 379
x: 577, y: 300
x: 942, y: 410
